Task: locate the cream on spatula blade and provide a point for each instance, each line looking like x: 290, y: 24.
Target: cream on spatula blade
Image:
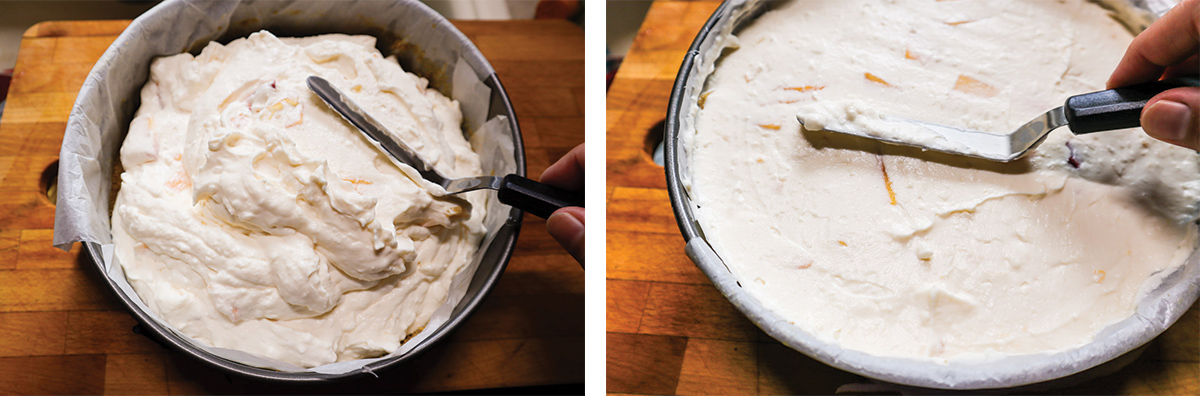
x: 538, y: 199
x: 1091, y: 112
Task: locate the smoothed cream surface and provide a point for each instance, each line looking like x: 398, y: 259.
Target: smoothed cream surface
x: 252, y: 217
x: 898, y: 252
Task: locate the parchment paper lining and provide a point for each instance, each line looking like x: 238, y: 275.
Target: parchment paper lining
x: 1161, y: 304
x: 109, y: 96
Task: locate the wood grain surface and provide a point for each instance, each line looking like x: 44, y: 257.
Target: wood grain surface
x: 62, y: 332
x: 669, y: 331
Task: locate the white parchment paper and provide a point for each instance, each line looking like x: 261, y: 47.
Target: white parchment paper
x: 425, y: 43
x: 1161, y: 304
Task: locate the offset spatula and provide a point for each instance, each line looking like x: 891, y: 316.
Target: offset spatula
x: 1091, y: 112
x: 539, y: 199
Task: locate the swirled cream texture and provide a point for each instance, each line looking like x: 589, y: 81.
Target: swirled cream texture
x: 252, y: 217
x: 897, y: 252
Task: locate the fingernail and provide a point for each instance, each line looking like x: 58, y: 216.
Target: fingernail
x: 1167, y: 120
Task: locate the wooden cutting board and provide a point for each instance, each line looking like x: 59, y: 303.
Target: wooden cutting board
x: 62, y: 332
x: 669, y: 331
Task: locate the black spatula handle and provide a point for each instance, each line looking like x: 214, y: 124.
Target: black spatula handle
x: 1117, y: 108
x: 539, y: 199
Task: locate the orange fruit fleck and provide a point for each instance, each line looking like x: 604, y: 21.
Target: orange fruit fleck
x: 703, y: 98
x: 909, y: 55
x: 274, y: 108
x: 806, y: 88
x: 179, y: 182
x: 299, y: 121
x: 887, y: 182
x: 966, y: 84
x: 769, y: 126
x: 843, y: 243
x: 876, y: 79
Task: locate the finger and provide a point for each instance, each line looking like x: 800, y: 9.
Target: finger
x: 1168, y: 41
x: 567, y: 172
x: 1174, y: 117
x: 566, y: 226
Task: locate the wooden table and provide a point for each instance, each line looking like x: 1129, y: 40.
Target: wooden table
x: 670, y: 331
x: 62, y: 332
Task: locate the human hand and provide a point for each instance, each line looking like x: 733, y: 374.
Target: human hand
x: 566, y: 224
x: 1168, y: 48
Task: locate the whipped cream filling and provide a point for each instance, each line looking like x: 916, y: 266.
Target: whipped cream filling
x: 895, y: 251
x: 252, y: 217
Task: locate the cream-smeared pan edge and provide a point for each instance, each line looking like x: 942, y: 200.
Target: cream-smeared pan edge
x: 896, y: 252
x: 252, y: 217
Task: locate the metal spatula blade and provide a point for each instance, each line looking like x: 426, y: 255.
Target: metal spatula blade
x: 536, y: 198
x: 1091, y: 112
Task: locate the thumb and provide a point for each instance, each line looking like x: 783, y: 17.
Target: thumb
x: 566, y: 226
x: 1174, y: 117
